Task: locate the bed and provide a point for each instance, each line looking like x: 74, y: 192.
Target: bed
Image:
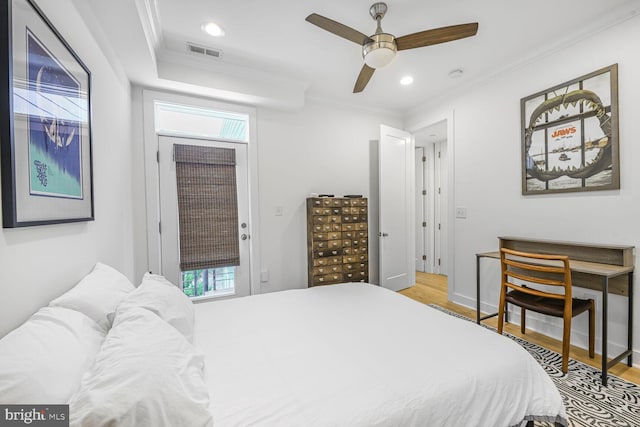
x: 350, y: 354
x: 356, y: 354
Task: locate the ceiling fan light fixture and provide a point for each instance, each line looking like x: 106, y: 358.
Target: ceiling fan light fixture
x: 380, y: 51
x: 380, y: 57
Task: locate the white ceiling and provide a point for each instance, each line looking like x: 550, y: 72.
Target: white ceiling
x: 272, y: 56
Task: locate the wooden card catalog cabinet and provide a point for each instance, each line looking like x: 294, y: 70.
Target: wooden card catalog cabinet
x: 337, y: 240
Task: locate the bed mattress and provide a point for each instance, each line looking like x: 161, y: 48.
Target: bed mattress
x: 355, y: 354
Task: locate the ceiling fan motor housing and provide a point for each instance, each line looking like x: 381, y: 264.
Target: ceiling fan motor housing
x: 380, y: 51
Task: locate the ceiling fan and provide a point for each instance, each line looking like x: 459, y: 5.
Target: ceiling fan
x: 380, y: 48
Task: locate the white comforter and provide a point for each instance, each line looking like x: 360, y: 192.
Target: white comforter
x: 359, y: 355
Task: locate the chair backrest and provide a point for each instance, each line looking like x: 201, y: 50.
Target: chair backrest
x: 521, y: 270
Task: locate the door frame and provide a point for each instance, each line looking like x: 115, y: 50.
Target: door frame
x: 152, y: 181
x: 449, y: 116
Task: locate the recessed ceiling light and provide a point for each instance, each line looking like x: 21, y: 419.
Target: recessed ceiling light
x: 406, y: 80
x: 213, y: 29
x: 455, y: 74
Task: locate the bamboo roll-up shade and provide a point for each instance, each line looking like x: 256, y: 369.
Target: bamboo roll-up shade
x: 207, y: 207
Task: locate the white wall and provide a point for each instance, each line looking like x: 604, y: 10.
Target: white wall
x: 40, y: 263
x: 487, y: 161
x: 321, y: 149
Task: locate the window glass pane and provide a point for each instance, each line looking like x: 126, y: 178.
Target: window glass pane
x: 209, y: 282
x: 196, y: 121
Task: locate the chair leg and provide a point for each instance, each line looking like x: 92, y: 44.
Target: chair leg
x: 592, y: 329
x: 506, y: 312
x: 523, y: 317
x: 502, y: 309
x: 566, y: 337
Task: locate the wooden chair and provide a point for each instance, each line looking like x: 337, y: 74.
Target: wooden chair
x: 531, y: 270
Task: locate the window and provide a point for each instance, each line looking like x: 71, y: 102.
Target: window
x: 208, y: 282
x: 201, y: 122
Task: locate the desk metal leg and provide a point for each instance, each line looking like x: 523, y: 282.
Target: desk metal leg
x: 628, y: 353
x: 479, y: 317
x: 477, y: 289
x: 630, y: 321
x: 605, y: 306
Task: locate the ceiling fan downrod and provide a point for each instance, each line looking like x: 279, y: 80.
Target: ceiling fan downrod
x: 377, y: 12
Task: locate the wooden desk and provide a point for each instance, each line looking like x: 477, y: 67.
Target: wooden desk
x: 605, y: 268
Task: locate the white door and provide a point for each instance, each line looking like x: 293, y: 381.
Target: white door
x: 441, y: 197
x: 220, y: 282
x: 397, y: 214
x: 422, y: 252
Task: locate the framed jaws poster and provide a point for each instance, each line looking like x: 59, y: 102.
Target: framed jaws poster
x: 570, y: 136
x: 45, y: 123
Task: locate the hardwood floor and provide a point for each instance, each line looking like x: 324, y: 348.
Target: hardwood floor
x: 432, y: 289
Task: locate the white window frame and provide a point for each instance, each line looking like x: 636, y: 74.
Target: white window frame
x: 152, y: 187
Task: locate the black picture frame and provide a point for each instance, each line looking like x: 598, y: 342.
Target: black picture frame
x: 45, y: 122
x: 570, y: 136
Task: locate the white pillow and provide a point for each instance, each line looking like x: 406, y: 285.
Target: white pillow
x: 162, y: 297
x: 146, y: 374
x: 97, y: 294
x: 43, y: 360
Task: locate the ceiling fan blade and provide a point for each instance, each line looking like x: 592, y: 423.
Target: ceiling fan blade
x: 337, y: 28
x: 363, y: 78
x: 436, y: 36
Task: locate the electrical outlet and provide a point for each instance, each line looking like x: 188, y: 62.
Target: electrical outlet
x: 461, y: 212
x: 264, y: 276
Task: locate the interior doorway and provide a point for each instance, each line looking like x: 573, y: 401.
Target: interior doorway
x: 431, y: 226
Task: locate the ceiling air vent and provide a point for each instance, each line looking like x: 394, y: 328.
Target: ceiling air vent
x: 203, y: 50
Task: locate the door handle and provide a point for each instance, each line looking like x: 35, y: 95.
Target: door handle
x: 244, y: 236
x: 381, y: 234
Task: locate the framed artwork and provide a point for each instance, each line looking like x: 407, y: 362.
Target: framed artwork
x: 45, y: 122
x: 570, y: 136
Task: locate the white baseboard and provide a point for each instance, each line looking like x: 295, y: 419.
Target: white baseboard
x: 542, y: 324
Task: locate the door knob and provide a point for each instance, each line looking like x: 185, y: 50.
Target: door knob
x: 244, y: 237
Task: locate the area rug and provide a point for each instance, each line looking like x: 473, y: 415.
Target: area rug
x: 586, y: 401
